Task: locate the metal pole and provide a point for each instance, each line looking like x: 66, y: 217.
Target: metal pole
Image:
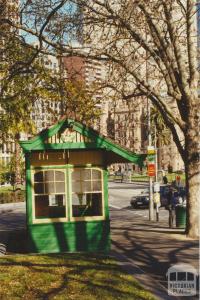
x: 156, y: 154
x: 151, y: 208
x: 156, y: 169
x: 151, y: 204
x: 157, y: 212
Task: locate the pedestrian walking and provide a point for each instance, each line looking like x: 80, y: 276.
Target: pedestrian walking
x: 171, y: 206
x: 178, y: 180
x: 129, y: 175
x: 165, y: 180
x: 122, y: 175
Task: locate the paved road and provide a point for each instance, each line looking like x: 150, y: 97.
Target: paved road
x: 120, y: 194
x: 12, y: 216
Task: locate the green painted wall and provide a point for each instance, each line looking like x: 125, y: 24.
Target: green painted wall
x: 91, y: 236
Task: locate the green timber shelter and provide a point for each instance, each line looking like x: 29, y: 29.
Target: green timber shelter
x: 67, y: 188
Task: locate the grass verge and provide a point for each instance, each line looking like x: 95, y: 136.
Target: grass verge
x: 7, y: 195
x: 66, y: 276
x: 140, y: 178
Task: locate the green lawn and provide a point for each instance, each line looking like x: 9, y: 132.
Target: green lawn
x: 8, y: 196
x: 66, y: 276
x: 8, y: 189
x: 138, y: 177
x: 172, y: 176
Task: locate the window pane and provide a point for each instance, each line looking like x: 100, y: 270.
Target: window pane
x: 86, y: 186
x: 59, y: 176
x: 61, y: 200
x: 79, y: 199
x: 41, y: 206
x: 57, y: 211
x: 44, y: 210
x: 76, y: 175
x: 78, y: 205
x: 86, y: 174
x: 56, y: 200
x: 60, y: 187
x: 39, y: 188
x: 52, y: 200
x: 49, y: 175
x: 38, y: 177
x: 96, y: 174
x: 49, y: 188
x: 76, y: 187
x: 96, y: 186
x: 97, y: 209
x: 87, y: 205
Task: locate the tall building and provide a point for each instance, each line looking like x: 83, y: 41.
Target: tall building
x: 90, y: 72
x: 44, y: 111
x: 129, y: 124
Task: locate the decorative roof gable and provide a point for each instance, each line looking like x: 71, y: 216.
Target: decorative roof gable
x: 70, y: 134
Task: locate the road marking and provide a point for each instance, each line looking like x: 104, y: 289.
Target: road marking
x: 113, y: 206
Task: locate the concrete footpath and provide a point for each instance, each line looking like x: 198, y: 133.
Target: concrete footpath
x: 147, y: 249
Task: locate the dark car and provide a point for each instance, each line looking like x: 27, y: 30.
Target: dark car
x: 140, y: 201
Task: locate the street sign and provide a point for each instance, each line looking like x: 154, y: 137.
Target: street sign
x: 156, y: 187
x: 151, y: 170
x: 151, y: 161
x: 151, y: 150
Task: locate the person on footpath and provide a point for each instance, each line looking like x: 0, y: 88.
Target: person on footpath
x: 171, y: 206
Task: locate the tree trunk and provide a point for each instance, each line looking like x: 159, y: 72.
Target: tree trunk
x: 192, y: 170
x: 193, y: 193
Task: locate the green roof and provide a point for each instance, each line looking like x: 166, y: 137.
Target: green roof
x: 91, y: 140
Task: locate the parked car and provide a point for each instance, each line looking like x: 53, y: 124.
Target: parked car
x: 141, y: 201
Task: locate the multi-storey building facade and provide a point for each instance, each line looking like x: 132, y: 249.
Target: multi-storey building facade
x: 45, y: 112
x: 129, y: 124
x: 91, y: 73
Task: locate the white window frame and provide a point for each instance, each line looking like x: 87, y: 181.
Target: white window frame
x: 49, y: 220
x: 87, y: 218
